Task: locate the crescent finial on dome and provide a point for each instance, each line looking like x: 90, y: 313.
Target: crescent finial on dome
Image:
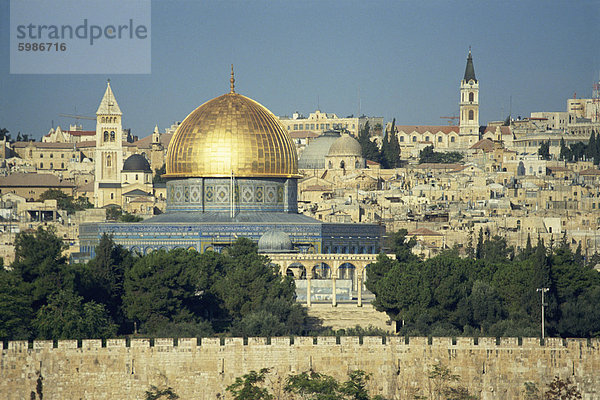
x: 232, y: 80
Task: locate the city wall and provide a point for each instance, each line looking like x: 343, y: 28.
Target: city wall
x: 118, y: 369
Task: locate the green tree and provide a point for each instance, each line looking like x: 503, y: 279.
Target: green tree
x: 355, y: 387
x: 102, y: 279
x: 154, y: 393
x: 428, y: 155
x: 370, y: 151
x: 444, y: 384
x: 565, y: 153
x: 158, y: 174
x: 250, y: 386
x: 531, y: 391
x: 479, y: 248
x: 560, y: 389
x: 390, y: 148
x: 166, y: 288
x: 251, y: 287
x: 40, y: 264
x: 544, y: 150
x: 66, y: 202
x: 66, y: 316
x: 485, y: 306
x: 115, y: 213
x: 312, y: 385
x: 15, y: 307
x: 591, y: 149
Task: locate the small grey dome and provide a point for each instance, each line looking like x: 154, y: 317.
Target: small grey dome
x: 345, y: 146
x: 136, y: 162
x: 313, y: 156
x: 274, y: 241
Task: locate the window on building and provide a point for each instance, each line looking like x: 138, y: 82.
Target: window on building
x: 51, y: 155
x: 301, y: 126
x: 295, y: 127
x: 112, y: 136
x: 427, y: 138
x: 414, y: 139
x: 41, y: 155
x: 62, y: 155
x: 471, y: 97
x: 106, y: 136
x: 452, y: 139
x: 108, y: 161
x: 401, y: 138
x: 112, y: 196
x: 439, y: 139
x: 62, y: 165
x: 41, y: 165
x: 51, y: 166
x: 471, y: 115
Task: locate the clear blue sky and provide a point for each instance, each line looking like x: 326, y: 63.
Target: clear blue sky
x: 405, y: 58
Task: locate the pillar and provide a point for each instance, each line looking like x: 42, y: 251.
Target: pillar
x: 308, y: 294
x: 359, y: 286
x: 333, y: 294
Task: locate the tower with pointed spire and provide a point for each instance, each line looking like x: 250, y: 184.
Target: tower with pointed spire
x: 469, y: 105
x: 157, y: 155
x: 109, y: 151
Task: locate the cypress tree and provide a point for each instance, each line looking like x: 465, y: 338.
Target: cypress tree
x: 370, y: 151
x: 564, y: 151
x: 597, y: 154
x: 590, y: 150
x: 391, y: 148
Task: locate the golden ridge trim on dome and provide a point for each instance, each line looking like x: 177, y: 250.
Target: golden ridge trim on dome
x: 231, y: 133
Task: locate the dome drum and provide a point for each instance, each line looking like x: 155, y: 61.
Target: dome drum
x: 214, y: 194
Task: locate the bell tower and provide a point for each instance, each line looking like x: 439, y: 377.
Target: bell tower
x: 109, y: 151
x: 469, y: 105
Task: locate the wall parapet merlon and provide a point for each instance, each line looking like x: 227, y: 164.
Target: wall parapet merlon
x: 592, y: 344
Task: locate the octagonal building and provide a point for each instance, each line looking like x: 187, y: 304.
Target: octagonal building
x: 232, y: 172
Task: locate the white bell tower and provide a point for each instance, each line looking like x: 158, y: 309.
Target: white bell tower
x: 469, y: 105
x: 109, y: 151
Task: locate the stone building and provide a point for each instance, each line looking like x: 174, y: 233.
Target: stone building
x: 320, y: 122
x: 232, y: 172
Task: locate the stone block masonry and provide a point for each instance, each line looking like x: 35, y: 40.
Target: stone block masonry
x: 201, y: 369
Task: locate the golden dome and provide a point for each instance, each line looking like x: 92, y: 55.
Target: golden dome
x: 231, y: 133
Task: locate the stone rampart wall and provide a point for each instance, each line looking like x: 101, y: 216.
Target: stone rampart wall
x: 119, y: 369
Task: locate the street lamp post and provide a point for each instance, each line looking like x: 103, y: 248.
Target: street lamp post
x: 542, y: 291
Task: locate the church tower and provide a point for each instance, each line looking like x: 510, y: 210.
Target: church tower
x: 469, y: 106
x: 109, y: 151
x: 157, y: 156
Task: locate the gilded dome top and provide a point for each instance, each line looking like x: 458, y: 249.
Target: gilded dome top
x: 231, y: 133
x: 346, y: 145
